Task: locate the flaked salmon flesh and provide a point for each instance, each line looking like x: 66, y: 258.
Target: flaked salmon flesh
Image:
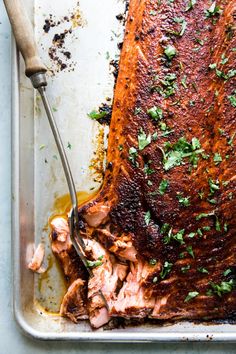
x: 161, y: 232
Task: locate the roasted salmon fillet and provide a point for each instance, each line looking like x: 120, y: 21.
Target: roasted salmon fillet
x: 162, y: 230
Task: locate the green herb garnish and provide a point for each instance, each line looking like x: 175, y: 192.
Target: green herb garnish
x: 191, y: 295
x: 183, y: 23
x: 213, y: 10
x: 163, y: 186
x: 155, y: 113
x: 224, y: 287
x: 147, y: 217
x: 189, y: 249
x: 183, y: 200
x: 170, y: 52
x: 97, y: 115
x: 232, y: 99
x: 227, y: 272
x: 185, y: 268
x: 202, y: 270
x: 217, y: 158
x: 166, y: 269
x: 190, y: 5
x: 214, y: 186
x: 143, y: 140
x: 153, y: 261
x: 133, y: 154
x: 180, y: 150
x: 94, y: 264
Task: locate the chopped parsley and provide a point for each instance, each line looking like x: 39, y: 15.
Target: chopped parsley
x: 183, y: 23
x: 177, y: 237
x: 213, y: 10
x: 183, y: 82
x: 224, y: 59
x: 163, y: 186
x: 147, y: 217
x: 203, y: 215
x: 137, y: 111
x: 183, y: 200
x: 169, y: 85
x: 224, y: 287
x: 212, y: 201
x: 189, y: 249
x: 191, y: 234
x: 190, y: 5
x: 97, y: 115
x: 94, y: 264
x: 232, y: 99
x: 227, y: 272
x: 212, y: 66
x: 69, y: 146
x: 214, y: 186
x: 133, y: 153
x: 181, y: 149
x: 155, y: 113
x: 166, y: 269
x: 153, y: 261
x: 143, y: 140
x: 170, y: 52
x: 217, y: 158
x: 217, y: 224
x: 185, y: 268
x: 191, y: 295
x: 202, y: 270
x: 165, y: 228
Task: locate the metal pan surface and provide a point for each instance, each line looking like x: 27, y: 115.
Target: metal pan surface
x: 77, y: 42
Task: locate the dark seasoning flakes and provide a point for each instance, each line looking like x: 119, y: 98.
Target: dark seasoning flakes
x: 59, y: 55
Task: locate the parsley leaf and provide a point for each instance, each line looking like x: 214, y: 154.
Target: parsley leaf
x: 214, y: 186
x: 155, y: 113
x: 203, y: 270
x: 163, y: 186
x: 97, y: 115
x: 189, y: 249
x: 232, y: 99
x: 177, y: 237
x: 223, y: 288
x: 191, y: 295
x: 217, y: 158
x: 94, y: 264
x: 183, y: 23
x: 183, y: 200
x: 143, y: 140
x: 133, y: 153
x: 185, y: 268
x: 213, y: 10
x: 147, y: 217
x: 203, y: 215
x: 227, y: 272
x: 170, y: 52
x: 166, y: 269
x: 190, y: 5
x: 181, y: 149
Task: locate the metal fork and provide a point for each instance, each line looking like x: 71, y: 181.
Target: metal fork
x: 35, y: 70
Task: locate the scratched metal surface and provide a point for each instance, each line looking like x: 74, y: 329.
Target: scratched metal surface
x: 91, y: 33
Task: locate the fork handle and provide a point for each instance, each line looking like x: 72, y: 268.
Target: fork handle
x: 24, y: 35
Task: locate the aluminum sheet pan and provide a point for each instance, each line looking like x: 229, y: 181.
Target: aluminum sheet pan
x: 92, y: 33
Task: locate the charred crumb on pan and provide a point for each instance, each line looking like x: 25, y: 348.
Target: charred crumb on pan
x: 105, y: 108
x: 59, y: 55
x: 115, y: 64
